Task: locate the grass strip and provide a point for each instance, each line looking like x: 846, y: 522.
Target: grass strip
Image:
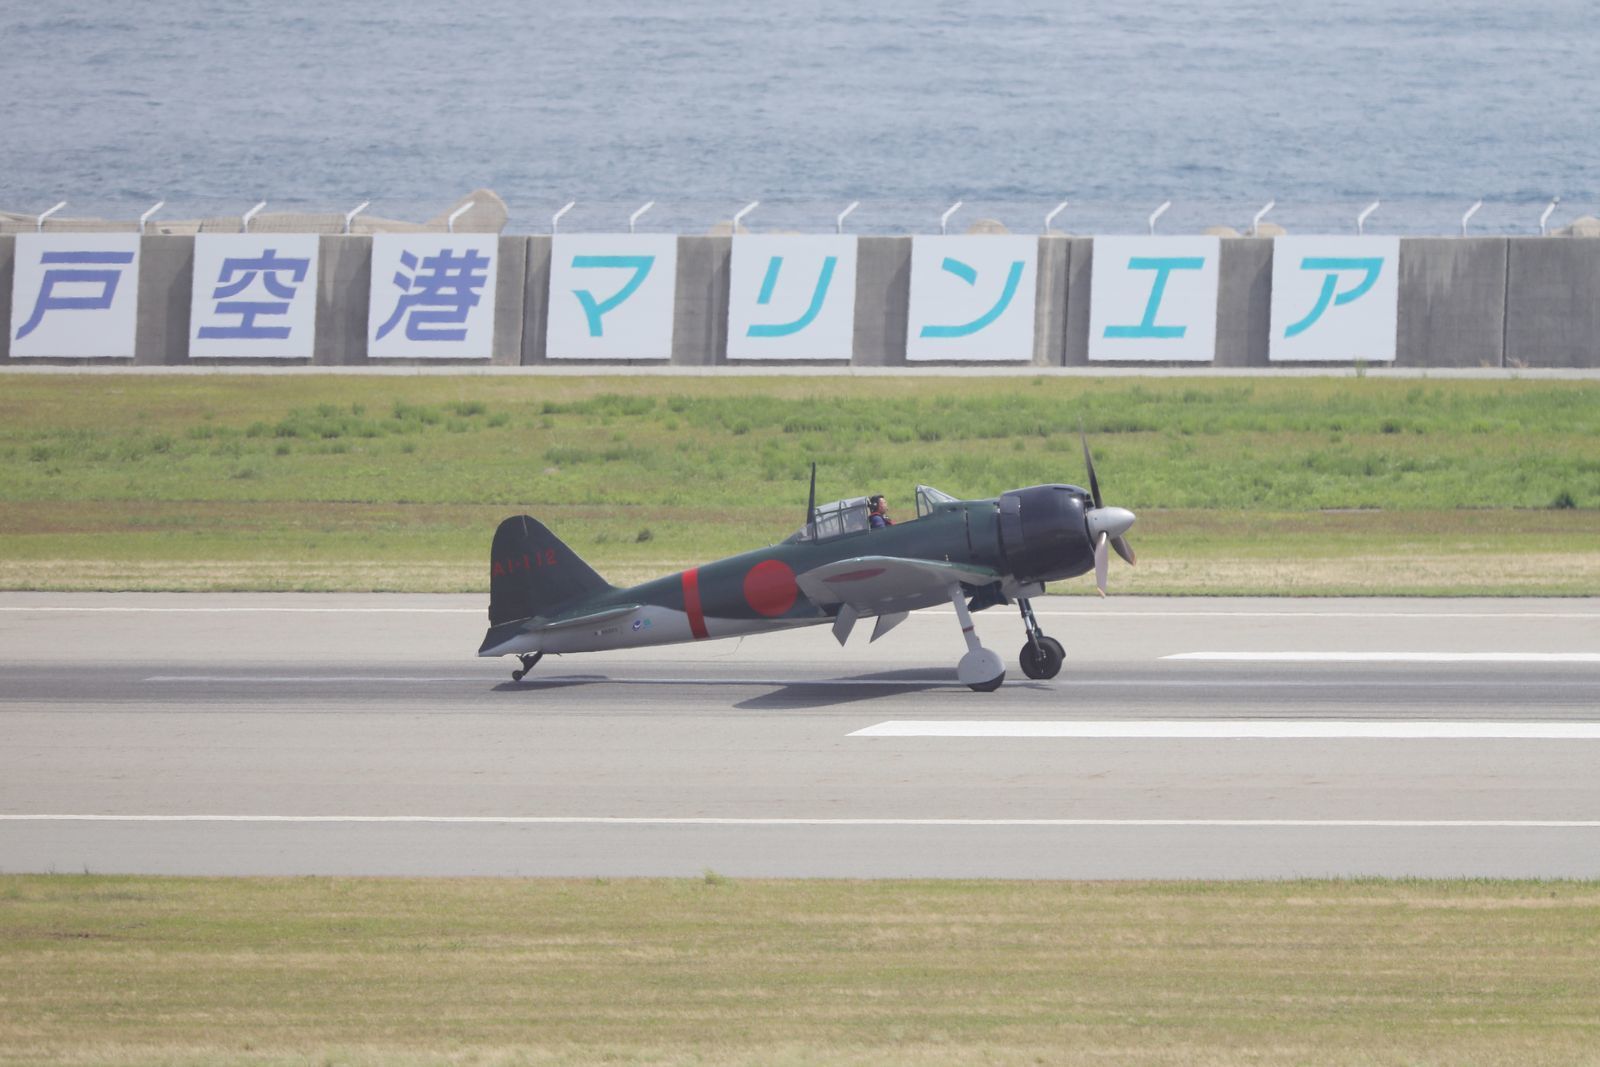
x: 125, y: 970
x: 1303, y: 485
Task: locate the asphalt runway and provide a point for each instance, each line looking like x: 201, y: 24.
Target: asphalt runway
x: 1187, y: 738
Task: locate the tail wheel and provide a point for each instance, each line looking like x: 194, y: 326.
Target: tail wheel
x: 1045, y: 662
x: 527, y: 665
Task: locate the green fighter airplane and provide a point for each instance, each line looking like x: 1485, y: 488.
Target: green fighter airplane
x: 835, y: 569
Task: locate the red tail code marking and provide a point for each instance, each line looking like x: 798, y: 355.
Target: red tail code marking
x: 541, y: 558
x: 691, y: 603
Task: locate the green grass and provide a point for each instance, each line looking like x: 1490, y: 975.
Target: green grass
x: 719, y: 971
x: 381, y: 482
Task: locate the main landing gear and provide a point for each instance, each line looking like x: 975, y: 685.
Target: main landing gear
x: 980, y: 669
x: 1042, y: 656
x: 527, y: 665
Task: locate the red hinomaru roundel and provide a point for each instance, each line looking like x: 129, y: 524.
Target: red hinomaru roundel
x: 769, y: 587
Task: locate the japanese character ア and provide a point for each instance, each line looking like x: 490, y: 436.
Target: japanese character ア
x: 1333, y: 265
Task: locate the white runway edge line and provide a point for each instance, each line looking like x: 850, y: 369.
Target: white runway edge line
x: 603, y: 820
x: 1239, y: 729
x: 1085, y: 613
x: 1389, y: 657
x: 91, y: 609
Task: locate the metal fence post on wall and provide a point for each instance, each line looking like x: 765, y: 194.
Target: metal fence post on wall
x: 1255, y: 223
x: 742, y: 212
x: 1048, y: 219
x: 1546, y: 216
x: 637, y: 215
x: 244, y: 221
x: 838, y: 223
x: 1156, y: 214
x: 944, y: 220
x: 450, y: 223
x: 157, y: 206
x: 38, y: 224
x: 1361, y: 219
x: 555, y: 220
x: 1471, y: 211
x: 351, y: 216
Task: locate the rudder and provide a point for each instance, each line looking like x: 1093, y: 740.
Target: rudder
x: 533, y: 572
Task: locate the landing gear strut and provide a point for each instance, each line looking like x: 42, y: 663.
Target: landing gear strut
x: 527, y: 665
x: 1042, y: 656
x: 980, y: 669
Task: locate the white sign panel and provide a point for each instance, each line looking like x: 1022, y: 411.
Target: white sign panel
x: 1334, y: 298
x: 972, y: 298
x: 432, y: 295
x: 254, y: 295
x: 75, y: 295
x: 792, y: 297
x: 611, y: 296
x: 1154, y: 298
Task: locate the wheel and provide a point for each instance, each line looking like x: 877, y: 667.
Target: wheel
x: 981, y: 670
x: 990, y: 686
x: 1046, y: 663
x: 527, y: 665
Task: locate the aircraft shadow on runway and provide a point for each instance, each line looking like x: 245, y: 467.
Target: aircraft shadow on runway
x: 811, y: 693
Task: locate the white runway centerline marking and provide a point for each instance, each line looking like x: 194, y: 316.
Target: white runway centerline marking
x: 1389, y: 657
x: 1239, y: 729
x: 606, y: 820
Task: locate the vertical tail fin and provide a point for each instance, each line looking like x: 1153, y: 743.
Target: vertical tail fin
x: 533, y: 572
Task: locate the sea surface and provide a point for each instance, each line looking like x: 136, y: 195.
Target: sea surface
x: 1010, y: 107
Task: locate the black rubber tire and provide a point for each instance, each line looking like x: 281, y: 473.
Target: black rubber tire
x: 990, y: 686
x: 1046, y: 664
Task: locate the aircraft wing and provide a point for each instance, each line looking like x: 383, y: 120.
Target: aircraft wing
x: 877, y: 584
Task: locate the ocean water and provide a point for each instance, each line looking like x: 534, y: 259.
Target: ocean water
x: 1009, y: 107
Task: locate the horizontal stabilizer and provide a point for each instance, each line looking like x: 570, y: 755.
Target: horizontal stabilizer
x: 586, y: 620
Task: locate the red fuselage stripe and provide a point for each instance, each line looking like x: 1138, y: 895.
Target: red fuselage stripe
x: 691, y: 603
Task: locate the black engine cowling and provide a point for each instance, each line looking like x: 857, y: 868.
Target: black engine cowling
x: 1044, y: 533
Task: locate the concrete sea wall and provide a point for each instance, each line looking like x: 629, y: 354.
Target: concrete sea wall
x: 1463, y: 302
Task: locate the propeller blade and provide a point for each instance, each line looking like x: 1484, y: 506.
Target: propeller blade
x: 1124, y: 550
x: 1101, y: 564
x: 1094, y: 483
x: 811, y: 501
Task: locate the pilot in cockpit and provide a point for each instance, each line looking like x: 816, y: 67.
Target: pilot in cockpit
x: 879, y: 515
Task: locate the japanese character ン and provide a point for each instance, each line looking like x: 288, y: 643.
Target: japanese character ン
x: 967, y: 274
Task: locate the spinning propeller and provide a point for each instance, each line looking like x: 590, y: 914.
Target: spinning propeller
x: 1106, y: 525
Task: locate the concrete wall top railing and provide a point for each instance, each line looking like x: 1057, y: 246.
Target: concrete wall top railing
x: 1462, y: 302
